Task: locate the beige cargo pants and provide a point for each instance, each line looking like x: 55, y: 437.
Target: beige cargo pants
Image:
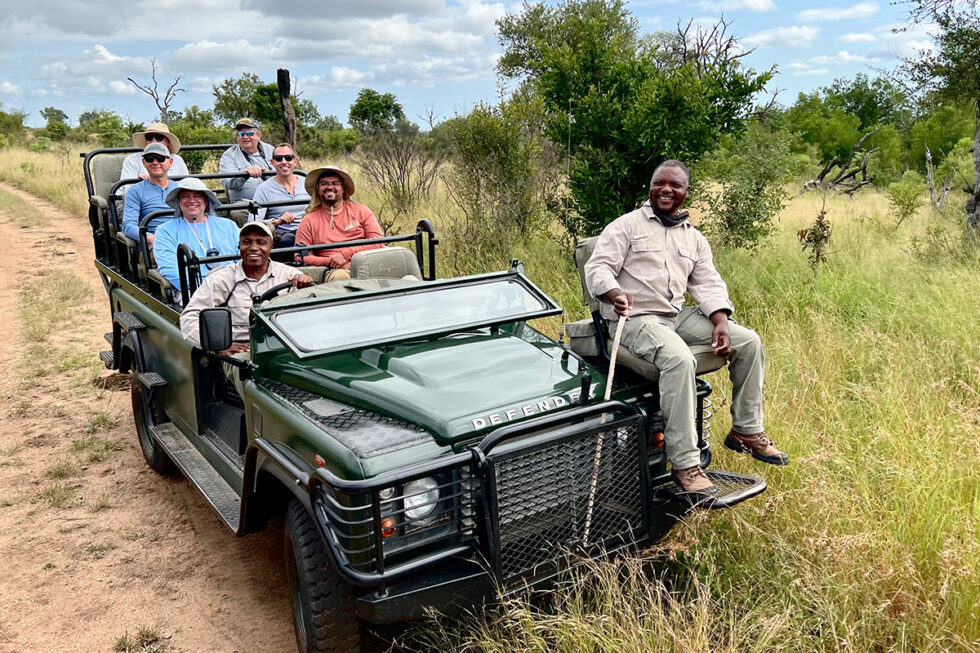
x: 663, y: 340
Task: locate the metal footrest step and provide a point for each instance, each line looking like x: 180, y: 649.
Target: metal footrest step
x: 128, y: 321
x: 150, y: 380
x: 732, y: 490
x: 108, y: 337
x: 107, y: 358
x: 185, y: 455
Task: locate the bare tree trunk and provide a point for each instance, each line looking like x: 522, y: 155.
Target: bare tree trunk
x: 973, y: 204
x: 930, y: 177
x: 288, y: 115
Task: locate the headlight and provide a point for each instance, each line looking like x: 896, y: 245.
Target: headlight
x: 421, y: 497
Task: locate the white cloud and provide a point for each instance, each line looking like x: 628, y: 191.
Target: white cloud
x: 860, y: 10
x: 842, y: 57
x: 863, y: 37
x: 7, y: 88
x: 305, y: 10
x: 746, y: 5
x: 800, y: 68
x: 96, y: 61
x: 228, y: 55
x: 798, y: 35
x: 122, y: 88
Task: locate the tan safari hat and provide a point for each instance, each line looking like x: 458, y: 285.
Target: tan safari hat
x: 139, y: 138
x: 313, y: 178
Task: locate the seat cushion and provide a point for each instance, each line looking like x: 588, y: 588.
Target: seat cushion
x: 703, y: 354
x: 385, y: 263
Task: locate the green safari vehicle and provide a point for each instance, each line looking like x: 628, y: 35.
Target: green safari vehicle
x: 426, y: 446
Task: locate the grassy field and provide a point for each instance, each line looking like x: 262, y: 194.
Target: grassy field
x: 868, y: 540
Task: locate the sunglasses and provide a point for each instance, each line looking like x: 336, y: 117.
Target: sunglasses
x: 246, y: 133
x: 156, y: 137
x: 154, y: 158
x: 283, y: 157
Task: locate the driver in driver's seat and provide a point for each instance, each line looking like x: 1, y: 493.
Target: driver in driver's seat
x: 234, y: 285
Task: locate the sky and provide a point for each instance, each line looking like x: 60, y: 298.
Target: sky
x: 437, y: 57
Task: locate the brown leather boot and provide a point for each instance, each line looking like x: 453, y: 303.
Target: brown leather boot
x: 759, y: 445
x: 695, y: 484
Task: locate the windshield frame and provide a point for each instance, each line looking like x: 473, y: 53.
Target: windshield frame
x: 267, y: 314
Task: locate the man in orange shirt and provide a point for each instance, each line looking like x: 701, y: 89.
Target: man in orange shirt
x: 333, y: 217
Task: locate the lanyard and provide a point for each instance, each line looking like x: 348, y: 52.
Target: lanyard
x: 199, y: 241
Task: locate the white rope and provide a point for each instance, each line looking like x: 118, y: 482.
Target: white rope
x: 598, y: 446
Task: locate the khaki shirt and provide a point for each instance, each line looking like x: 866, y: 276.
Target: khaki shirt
x: 656, y: 264
x: 228, y: 286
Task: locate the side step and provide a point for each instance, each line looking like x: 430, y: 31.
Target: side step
x: 107, y: 358
x: 189, y: 460
x: 128, y: 321
x: 733, y: 489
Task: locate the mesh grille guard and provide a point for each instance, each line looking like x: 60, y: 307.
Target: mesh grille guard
x: 522, y: 501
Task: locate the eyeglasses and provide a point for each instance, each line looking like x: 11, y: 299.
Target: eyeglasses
x: 336, y: 184
x: 246, y: 133
x: 155, y: 158
x: 283, y: 157
x: 156, y: 137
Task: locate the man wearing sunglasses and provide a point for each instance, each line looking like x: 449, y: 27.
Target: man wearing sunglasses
x: 284, y: 186
x: 157, y: 132
x: 251, y: 155
x: 150, y: 194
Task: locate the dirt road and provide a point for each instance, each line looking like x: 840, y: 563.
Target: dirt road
x: 94, y: 546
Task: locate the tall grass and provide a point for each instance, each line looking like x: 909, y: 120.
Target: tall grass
x: 868, y: 540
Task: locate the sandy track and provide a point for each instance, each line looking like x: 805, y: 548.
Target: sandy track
x: 131, y: 549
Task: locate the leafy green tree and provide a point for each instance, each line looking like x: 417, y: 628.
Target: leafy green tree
x: 56, y: 128
x: 941, y: 128
x: 375, y: 111
x: 619, y: 104
x: 12, y: 125
x: 830, y: 128
x: 51, y: 114
x: 104, y: 124
x: 233, y: 98
x: 875, y: 102
x: 952, y: 70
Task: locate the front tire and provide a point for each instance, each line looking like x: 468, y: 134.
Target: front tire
x: 324, y: 612
x: 155, y: 456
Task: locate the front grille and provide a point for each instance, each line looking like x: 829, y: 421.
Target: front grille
x: 548, y: 505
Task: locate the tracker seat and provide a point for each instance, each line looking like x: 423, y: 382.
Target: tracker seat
x: 591, y: 337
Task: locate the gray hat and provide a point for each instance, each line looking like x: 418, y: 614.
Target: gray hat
x: 157, y: 148
x: 191, y: 183
x: 264, y: 227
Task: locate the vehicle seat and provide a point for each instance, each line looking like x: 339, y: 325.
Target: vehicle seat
x: 385, y: 263
x: 586, y: 342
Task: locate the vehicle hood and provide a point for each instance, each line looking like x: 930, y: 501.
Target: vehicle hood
x: 454, y: 387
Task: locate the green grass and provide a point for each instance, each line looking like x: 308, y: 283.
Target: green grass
x: 99, y: 551
x: 96, y: 447
x: 22, y: 213
x: 62, y: 470
x: 59, y: 495
x: 48, y: 304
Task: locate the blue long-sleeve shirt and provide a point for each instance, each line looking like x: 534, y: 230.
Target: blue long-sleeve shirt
x: 223, y: 237
x: 141, y: 200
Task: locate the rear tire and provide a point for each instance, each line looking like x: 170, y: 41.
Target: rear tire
x: 155, y: 456
x: 324, y: 612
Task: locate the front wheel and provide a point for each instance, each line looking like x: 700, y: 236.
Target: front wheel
x: 324, y: 612
x: 155, y: 456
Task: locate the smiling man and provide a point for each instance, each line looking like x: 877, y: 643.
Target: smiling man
x: 150, y: 194
x: 251, y: 155
x: 643, y: 265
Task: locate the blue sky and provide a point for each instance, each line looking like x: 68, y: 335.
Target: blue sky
x: 436, y: 56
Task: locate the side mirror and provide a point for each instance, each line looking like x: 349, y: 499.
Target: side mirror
x: 215, y: 329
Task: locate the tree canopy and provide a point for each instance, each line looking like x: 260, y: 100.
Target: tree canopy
x: 375, y: 111
x: 620, y: 104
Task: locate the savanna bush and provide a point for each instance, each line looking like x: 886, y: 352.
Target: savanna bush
x: 905, y: 196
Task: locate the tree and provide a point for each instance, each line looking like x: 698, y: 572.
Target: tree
x: 11, y: 125
x: 874, y: 102
x: 233, y: 98
x: 56, y: 128
x: 105, y: 124
x: 952, y: 70
x: 375, y: 111
x: 618, y: 105
x: 50, y: 114
x: 164, y: 100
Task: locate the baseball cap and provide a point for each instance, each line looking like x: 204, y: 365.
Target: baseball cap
x: 247, y: 122
x: 158, y: 148
x: 264, y: 227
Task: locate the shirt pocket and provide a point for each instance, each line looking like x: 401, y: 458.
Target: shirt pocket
x: 646, y: 250
x: 686, y: 259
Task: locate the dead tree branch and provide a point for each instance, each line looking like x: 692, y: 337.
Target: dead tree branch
x: 288, y: 114
x: 164, y: 101
x: 847, y: 180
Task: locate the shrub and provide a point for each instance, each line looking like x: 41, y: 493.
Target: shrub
x: 40, y: 144
x: 905, y: 196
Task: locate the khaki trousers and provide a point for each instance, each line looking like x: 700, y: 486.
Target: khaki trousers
x: 663, y: 340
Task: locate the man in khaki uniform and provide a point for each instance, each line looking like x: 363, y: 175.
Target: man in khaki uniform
x: 643, y: 264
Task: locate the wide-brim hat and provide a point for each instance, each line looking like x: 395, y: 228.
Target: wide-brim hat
x: 191, y: 183
x: 139, y: 138
x: 313, y: 178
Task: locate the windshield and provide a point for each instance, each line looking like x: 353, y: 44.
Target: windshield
x: 351, y: 324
